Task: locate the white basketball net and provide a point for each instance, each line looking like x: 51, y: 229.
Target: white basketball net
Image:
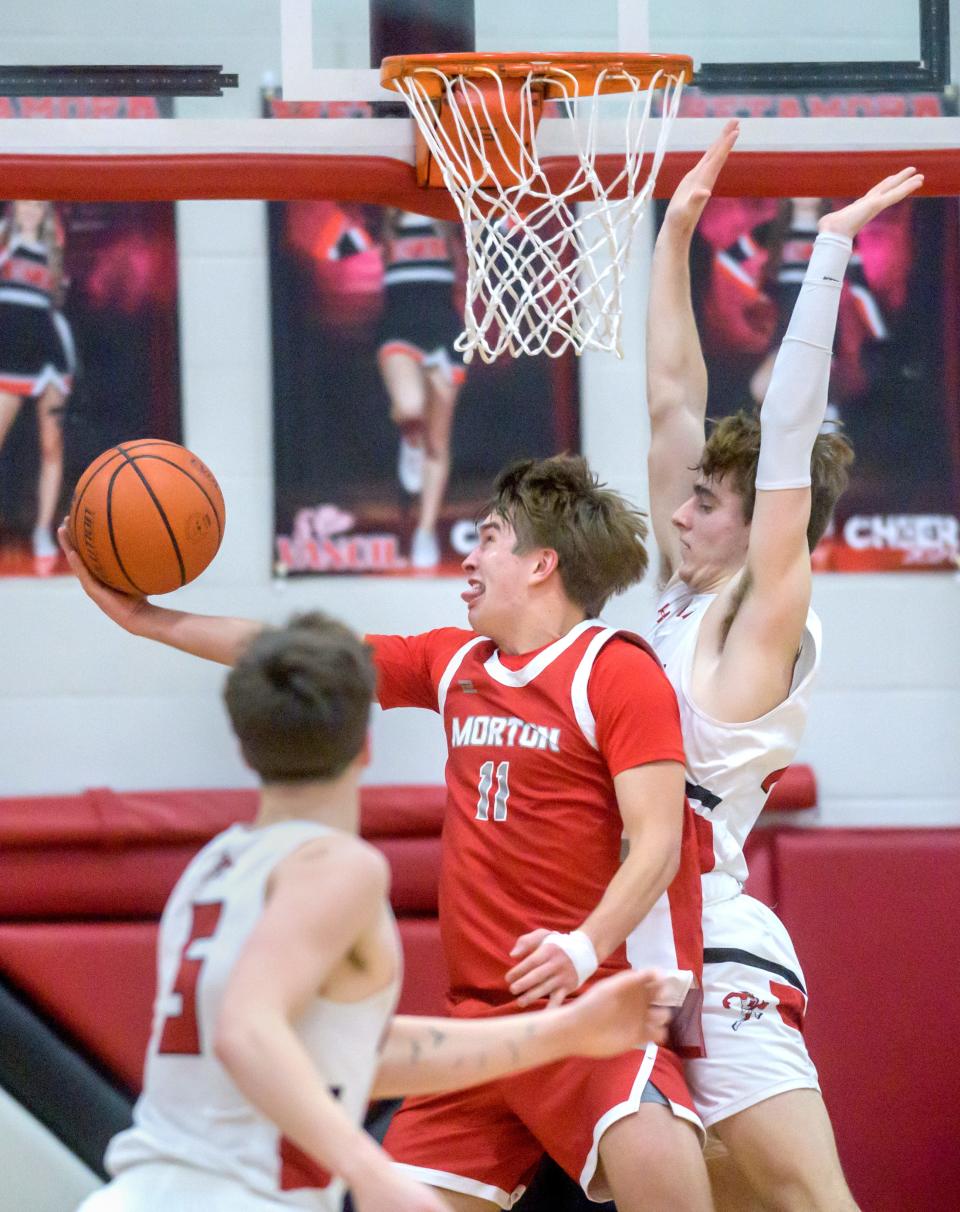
x: 544, y: 272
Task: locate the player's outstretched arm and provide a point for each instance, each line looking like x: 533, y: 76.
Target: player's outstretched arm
x: 676, y: 372
x: 211, y: 637
x: 427, y: 1055
x: 766, y: 632
x: 322, y: 900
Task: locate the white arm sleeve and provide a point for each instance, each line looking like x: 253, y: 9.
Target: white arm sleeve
x: 796, y: 399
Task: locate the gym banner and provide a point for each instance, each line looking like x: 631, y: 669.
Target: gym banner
x: 385, y: 443
x: 88, y: 340
x: 895, y: 381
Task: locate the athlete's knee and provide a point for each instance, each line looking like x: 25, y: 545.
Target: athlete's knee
x: 787, y: 1187
x: 51, y: 444
x: 434, y: 448
x: 407, y: 408
x: 653, y: 1160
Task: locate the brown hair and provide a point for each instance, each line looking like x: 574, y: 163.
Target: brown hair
x: 560, y: 504
x: 732, y: 451
x: 299, y: 699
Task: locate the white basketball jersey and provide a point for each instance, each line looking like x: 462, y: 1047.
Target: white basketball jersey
x: 731, y: 768
x: 190, y: 1111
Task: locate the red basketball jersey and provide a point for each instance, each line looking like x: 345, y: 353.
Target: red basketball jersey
x: 532, y: 832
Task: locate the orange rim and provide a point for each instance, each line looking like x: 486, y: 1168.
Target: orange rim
x: 623, y: 70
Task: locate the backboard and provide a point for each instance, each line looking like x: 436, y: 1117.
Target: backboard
x: 811, y: 83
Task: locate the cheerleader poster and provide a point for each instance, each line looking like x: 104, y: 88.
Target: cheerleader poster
x: 386, y: 442
x: 895, y: 380
x: 88, y: 353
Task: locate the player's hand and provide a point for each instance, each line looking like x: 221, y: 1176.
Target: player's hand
x: 392, y: 1191
x: 693, y: 192
x: 618, y: 1013
x: 544, y: 970
x: 123, y: 608
x: 850, y: 219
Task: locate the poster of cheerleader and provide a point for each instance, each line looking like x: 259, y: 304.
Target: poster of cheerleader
x: 88, y: 349
x: 895, y: 381
x: 385, y: 441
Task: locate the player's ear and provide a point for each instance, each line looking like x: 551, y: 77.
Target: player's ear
x: 546, y: 565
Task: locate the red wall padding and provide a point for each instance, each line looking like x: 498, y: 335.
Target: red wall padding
x: 117, y: 854
x: 96, y: 980
x: 761, y: 882
x: 871, y: 913
x: 873, y: 916
x: 424, y: 976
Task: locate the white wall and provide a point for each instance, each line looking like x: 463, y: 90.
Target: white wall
x: 82, y: 704
x: 39, y: 1173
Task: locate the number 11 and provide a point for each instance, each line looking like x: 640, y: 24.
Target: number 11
x: 500, y: 799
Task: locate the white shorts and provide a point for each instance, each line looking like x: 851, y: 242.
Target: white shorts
x: 754, y: 1001
x: 168, y: 1187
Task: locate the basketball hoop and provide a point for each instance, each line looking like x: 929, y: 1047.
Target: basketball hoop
x: 544, y: 274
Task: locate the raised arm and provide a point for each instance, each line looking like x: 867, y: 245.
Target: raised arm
x: 767, y: 627
x: 676, y: 372
x: 211, y: 637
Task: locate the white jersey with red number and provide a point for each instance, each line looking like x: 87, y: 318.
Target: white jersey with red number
x: 731, y: 768
x: 190, y: 1111
x: 532, y: 832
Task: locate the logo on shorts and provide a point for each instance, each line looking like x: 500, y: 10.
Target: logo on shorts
x: 746, y: 1005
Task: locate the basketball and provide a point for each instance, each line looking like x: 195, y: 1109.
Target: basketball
x: 147, y: 517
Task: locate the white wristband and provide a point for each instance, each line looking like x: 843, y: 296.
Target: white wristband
x: 579, y: 950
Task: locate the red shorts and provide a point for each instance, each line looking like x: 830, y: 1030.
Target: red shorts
x: 488, y: 1141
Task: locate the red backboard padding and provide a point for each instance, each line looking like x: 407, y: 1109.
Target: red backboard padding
x: 391, y: 182
x: 873, y: 916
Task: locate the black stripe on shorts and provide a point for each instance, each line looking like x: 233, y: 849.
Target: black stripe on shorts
x: 733, y: 955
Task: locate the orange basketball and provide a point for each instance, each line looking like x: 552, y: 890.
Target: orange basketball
x: 147, y: 516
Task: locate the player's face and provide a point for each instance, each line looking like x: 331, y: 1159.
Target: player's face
x: 713, y: 535
x: 497, y: 579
